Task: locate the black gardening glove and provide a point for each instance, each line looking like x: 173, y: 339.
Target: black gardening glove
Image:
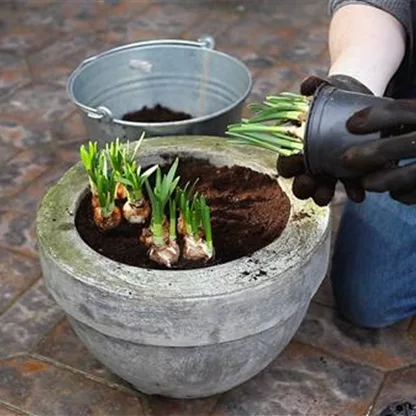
x: 306, y: 185
x: 396, y: 119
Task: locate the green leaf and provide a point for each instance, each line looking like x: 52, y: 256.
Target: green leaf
x: 208, y: 229
x: 271, y: 137
x: 172, y: 171
x: 139, y: 143
x: 126, y: 181
x: 253, y: 141
x: 273, y: 115
x: 148, y: 172
x: 105, y: 184
x: 89, y: 156
x: 172, y: 219
x: 158, y: 178
x: 160, y: 194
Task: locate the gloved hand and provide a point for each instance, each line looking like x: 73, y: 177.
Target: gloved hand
x: 379, y: 157
x: 306, y: 185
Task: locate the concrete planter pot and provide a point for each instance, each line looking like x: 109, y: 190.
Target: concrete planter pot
x: 191, y: 333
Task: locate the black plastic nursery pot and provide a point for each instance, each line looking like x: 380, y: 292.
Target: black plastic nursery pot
x: 326, y: 134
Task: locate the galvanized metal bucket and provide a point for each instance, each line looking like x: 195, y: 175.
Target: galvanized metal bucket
x: 182, y: 75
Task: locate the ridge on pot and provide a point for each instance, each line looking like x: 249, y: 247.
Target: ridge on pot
x: 189, y: 333
x: 184, y: 76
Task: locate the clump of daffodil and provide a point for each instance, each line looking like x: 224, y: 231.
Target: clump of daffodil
x: 102, y: 185
x: 182, y: 195
x: 278, y: 124
x: 195, y: 225
x: 136, y: 209
x: 161, y: 235
x: 90, y: 158
x: 119, y: 155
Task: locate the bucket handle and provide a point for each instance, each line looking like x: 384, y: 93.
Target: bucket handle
x: 204, y: 41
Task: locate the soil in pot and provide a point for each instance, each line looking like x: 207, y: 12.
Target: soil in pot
x: 156, y: 114
x: 248, y: 211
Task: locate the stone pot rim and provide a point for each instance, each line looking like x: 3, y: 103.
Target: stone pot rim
x: 307, y: 227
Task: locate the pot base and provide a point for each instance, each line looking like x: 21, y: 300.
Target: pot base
x: 189, y: 372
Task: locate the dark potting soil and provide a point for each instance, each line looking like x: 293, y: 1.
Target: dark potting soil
x: 248, y: 211
x: 156, y: 114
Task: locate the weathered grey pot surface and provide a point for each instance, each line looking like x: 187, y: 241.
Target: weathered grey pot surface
x: 190, y: 333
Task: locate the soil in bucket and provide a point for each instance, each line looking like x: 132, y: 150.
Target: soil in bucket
x: 156, y: 114
x: 248, y: 211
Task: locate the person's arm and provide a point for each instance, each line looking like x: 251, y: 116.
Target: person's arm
x: 368, y: 43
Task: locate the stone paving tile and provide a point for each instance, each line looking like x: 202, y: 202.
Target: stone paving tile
x: 39, y: 103
x: 49, y: 65
x: 296, y: 13
x: 16, y: 134
x: 273, y: 81
x: 113, y: 25
x: 55, y: 63
x: 216, y: 22
x: 5, y: 411
x: 304, y: 381
x: 307, y: 46
x: 21, y: 5
x: 68, y: 153
x: 384, y: 349
x: 318, y: 67
x: 72, y: 129
x: 84, y: 18
x: 28, y: 200
x: 257, y: 62
x: 152, y: 21
x: 162, y: 406
x: 24, y: 168
x: 24, y: 324
x: 172, y: 17
x: 14, y: 73
x: 6, y: 152
x: 61, y: 344
x: 20, y: 38
x: 125, y: 33
x: 94, y: 16
x: 268, y: 39
x: 399, y: 386
x: 40, y: 388
x: 283, y: 76
x: 17, y: 273
x: 17, y: 231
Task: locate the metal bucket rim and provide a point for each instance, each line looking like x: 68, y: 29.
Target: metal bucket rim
x: 161, y: 42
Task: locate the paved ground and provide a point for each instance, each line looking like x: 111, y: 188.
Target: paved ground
x: 330, y: 368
